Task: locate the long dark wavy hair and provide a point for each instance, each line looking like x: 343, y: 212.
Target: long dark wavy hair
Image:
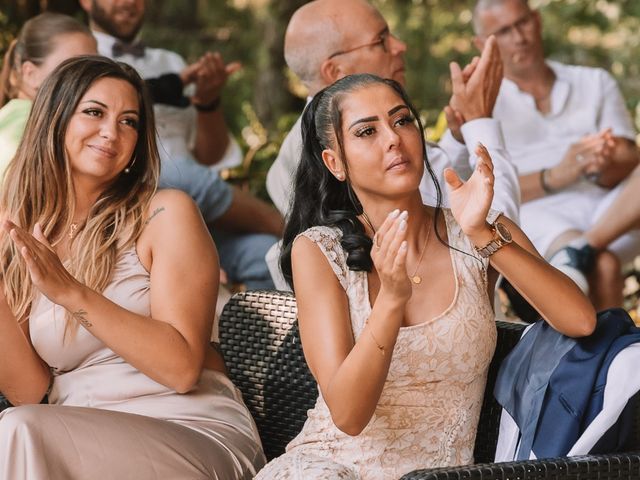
x: 319, y: 198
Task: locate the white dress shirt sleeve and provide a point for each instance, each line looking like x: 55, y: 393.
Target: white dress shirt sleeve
x: 614, y: 113
x: 462, y: 158
x: 488, y: 131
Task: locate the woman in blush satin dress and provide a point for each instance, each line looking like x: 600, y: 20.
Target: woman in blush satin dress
x: 108, y: 296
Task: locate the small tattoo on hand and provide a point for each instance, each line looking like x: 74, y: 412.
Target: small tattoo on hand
x: 155, y: 212
x: 81, y: 317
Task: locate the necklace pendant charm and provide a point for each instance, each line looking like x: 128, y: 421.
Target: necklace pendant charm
x: 417, y: 279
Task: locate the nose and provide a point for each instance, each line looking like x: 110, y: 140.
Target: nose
x: 516, y: 34
x: 397, y: 46
x: 391, y: 138
x: 108, y: 129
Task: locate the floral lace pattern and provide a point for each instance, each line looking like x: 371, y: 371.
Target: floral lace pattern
x: 428, y: 411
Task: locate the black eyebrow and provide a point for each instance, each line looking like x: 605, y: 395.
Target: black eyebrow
x: 375, y: 118
x: 395, y: 109
x: 135, y: 112
x: 363, y: 120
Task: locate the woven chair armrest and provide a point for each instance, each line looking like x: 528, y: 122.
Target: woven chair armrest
x: 588, y: 467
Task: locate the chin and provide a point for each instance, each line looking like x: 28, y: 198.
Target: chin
x: 399, y: 77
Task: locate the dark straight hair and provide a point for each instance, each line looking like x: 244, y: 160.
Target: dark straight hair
x: 320, y: 199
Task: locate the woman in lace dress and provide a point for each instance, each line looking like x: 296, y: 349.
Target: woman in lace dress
x: 394, y: 297
x: 108, y: 296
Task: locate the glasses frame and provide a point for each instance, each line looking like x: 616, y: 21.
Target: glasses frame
x: 383, y: 37
x: 522, y: 24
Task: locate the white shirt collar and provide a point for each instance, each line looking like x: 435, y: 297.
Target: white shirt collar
x: 560, y: 90
x: 106, y: 41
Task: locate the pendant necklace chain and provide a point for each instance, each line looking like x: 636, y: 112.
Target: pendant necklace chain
x: 417, y: 279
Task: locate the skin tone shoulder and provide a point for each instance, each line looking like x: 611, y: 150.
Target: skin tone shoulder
x: 171, y: 344
x: 384, y: 164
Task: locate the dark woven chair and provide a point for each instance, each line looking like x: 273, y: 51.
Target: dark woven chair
x: 260, y: 341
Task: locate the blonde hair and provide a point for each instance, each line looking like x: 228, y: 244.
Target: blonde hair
x: 38, y: 186
x: 34, y: 43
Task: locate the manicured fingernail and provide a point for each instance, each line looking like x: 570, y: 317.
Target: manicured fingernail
x: 404, y: 215
x: 403, y: 245
x: 403, y: 225
x: 394, y: 214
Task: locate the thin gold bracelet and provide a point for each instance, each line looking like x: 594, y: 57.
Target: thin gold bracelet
x: 380, y: 347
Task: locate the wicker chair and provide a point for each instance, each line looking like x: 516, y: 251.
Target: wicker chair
x: 260, y: 341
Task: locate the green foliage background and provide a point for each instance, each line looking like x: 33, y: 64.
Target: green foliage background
x: 260, y: 105
x: 588, y: 32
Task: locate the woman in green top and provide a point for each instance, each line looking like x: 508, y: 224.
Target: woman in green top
x: 42, y: 44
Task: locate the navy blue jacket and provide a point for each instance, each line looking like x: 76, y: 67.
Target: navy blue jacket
x: 564, y: 385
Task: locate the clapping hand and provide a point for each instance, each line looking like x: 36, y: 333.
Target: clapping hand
x: 601, y: 158
x: 588, y: 156
x: 475, y: 88
x: 455, y: 120
x: 45, y: 268
x: 389, y: 255
x: 209, y: 74
x: 470, y: 201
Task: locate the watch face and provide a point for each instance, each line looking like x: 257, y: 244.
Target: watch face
x: 503, y: 232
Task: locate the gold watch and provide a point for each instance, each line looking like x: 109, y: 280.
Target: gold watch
x: 501, y: 237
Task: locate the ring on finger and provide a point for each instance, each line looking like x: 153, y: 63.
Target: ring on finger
x: 376, y: 241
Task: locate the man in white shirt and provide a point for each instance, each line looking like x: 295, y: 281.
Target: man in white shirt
x: 329, y: 39
x: 572, y: 140
x: 192, y: 139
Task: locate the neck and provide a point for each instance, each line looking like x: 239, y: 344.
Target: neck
x: 537, y: 81
x: 85, y: 199
x: 377, y: 211
x: 25, y: 95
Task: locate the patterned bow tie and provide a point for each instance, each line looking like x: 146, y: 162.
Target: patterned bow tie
x: 122, y: 48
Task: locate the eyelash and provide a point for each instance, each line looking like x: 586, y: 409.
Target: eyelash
x: 96, y: 112
x: 368, y: 130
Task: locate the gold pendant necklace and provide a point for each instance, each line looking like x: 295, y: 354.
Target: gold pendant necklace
x: 417, y: 279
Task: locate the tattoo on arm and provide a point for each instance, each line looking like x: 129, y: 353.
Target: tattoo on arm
x: 81, y: 317
x: 155, y: 212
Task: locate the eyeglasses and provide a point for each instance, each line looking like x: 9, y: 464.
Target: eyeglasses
x: 523, y: 24
x: 382, y: 41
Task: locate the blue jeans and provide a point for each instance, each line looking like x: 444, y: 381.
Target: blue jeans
x: 242, y: 256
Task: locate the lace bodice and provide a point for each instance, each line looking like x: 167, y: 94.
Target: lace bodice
x: 428, y: 411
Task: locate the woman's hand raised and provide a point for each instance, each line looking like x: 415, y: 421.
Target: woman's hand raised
x: 470, y: 200
x: 389, y: 255
x: 45, y: 268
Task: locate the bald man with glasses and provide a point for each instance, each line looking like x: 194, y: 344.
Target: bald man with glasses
x: 329, y: 39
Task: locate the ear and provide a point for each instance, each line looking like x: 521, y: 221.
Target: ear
x: 333, y: 163
x: 330, y: 71
x: 29, y: 78
x: 479, y: 42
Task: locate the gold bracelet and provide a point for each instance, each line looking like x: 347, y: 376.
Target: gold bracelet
x: 380, y: 347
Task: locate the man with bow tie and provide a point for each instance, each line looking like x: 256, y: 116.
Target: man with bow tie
x: 193, y: 137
